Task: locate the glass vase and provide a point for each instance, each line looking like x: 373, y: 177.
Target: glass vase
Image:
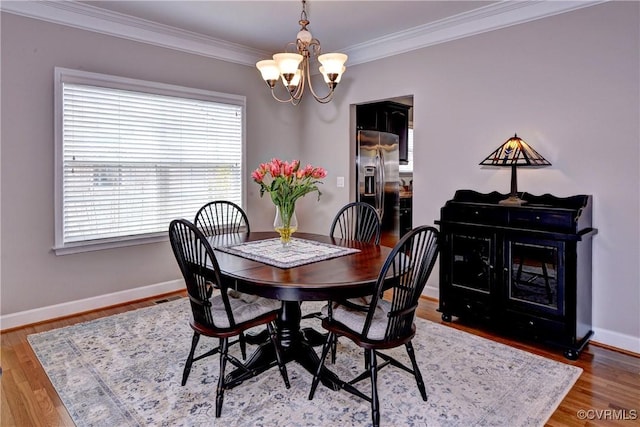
x: 285, y: 223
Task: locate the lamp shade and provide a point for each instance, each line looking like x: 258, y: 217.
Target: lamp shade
x: 327, y: 79
x: 514, y: 153
x: 269, y: 69
x: 295, y: 80
x: 287, y: 62
x: 332, y: 65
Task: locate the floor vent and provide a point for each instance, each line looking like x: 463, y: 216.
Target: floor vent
x: 172, y: 298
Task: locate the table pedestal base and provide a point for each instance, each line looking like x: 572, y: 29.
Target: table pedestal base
x: 296, y: 345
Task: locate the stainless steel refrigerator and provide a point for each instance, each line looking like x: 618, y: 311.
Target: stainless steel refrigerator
x: 378, y: 177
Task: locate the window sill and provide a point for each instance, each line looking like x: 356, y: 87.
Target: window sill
x: 90, y: 246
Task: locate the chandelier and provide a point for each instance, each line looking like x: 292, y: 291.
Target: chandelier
x: 294, y: 69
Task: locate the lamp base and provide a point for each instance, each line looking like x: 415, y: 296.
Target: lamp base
x: 512, y: 201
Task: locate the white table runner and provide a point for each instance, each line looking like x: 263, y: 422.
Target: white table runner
x: 298, y: 252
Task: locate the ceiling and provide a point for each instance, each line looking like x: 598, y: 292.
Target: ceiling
x: 270, y: 25
x: 245, y: 31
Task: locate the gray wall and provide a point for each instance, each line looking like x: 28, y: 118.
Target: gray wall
x: 567, y: 84
x: 32, y: 275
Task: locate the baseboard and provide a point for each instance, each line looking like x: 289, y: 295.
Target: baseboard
x: 616, y: 340
x: 603, y: 337
x: 36, y: 315
x: 432, y: 292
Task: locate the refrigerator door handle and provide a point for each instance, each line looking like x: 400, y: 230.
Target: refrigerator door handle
x: 380, y: 190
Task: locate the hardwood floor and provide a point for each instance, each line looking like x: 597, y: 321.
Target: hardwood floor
x: 607, y: 393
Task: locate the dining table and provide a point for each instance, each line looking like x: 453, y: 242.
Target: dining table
x: 314, y: 267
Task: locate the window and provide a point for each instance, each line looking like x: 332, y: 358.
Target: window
x: 409, y: 166
x: 133, y: 155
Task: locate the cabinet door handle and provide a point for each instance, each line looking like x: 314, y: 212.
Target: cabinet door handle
x: 487, y: 263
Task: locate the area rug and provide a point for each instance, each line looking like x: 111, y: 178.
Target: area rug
x: 125, y: 370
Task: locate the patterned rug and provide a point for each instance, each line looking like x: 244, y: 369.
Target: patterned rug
x: 125, y: 370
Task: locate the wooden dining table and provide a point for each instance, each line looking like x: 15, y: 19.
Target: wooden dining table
x: 346, y: 276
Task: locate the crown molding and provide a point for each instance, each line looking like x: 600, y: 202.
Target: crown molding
x: 91, y: 18
x: 481, y: 20
x: 484, y: 19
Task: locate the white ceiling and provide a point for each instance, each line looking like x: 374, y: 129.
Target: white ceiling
x: 244, y: 31
x: 269, y: 25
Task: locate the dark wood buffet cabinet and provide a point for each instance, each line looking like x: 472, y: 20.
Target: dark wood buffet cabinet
x: 523, y: 269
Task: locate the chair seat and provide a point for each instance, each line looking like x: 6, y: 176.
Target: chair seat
x: 249, y: 298
x: 242, y: 311
x: 358, y: 303
x: 354, y: 319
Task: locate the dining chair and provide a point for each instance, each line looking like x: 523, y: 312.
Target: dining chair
x: 214, y: 313
x: 385, y: 323
x: 356, y: 221
x: 223, y: 217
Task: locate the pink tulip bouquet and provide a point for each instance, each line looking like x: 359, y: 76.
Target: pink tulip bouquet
x: 286, y: 182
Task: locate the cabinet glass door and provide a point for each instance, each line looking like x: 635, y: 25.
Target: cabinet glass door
x: 534, y: 275
x: 471, y: 257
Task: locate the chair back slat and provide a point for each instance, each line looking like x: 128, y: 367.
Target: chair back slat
x: 200, y: 270
x: 407, y: 269
x: 221, y: 217
x: 357, y: 221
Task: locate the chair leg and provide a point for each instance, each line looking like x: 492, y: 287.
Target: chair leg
x: 224, y: 349
x: 373, y: 371
x: 416, y: 371
x: 367, y: 360
x: 334, y: 348
x: 316, y: 377
x: 189, y: 362
x: 243, y: 345
x: 281, y: 364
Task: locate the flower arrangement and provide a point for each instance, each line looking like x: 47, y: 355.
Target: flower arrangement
x: 286, y: 182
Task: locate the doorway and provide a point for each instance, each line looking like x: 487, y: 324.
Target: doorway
x: 387, y: 162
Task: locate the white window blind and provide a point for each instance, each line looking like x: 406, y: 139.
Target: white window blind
x: 135, y: 155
